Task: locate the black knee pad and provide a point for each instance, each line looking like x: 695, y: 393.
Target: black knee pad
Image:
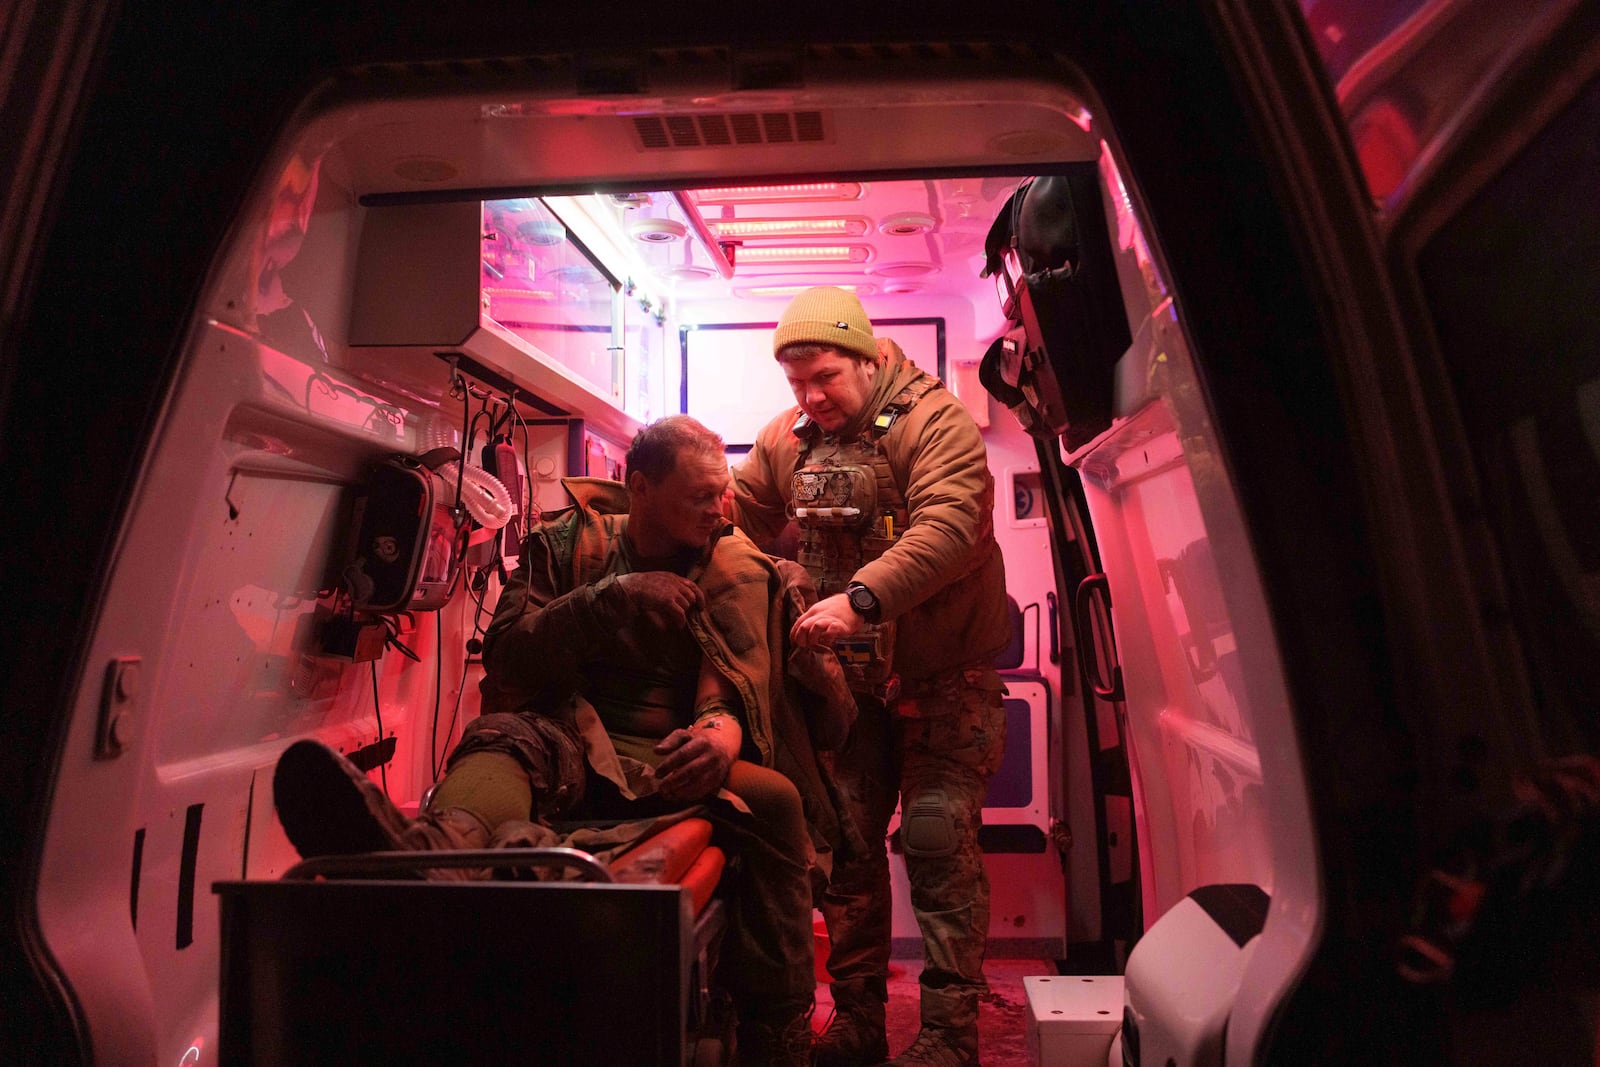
x: 926, y: 827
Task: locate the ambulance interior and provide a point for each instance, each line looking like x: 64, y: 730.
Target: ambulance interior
x: 488, y: 260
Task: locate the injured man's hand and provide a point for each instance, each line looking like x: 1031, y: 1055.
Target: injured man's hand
x: 697, y: 760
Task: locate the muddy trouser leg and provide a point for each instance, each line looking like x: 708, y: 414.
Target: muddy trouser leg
x: 950, y: 747
x: 856, y: 903
x: 767, y: 959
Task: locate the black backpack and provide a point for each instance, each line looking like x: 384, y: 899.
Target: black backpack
x: 1056, y: 367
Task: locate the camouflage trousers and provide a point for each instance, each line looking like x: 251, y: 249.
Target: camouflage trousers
x: 767, y: 954
x: 933, y: 753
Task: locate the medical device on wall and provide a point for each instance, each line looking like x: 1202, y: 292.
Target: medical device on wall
x: 500, y: 459
x: 412, y: 522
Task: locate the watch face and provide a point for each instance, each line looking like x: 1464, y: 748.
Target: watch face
x: 862, y: 599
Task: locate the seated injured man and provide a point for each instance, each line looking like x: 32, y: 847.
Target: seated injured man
x: 629, y: 673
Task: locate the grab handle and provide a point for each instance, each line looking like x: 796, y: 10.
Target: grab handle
x: 1055, y: 627
x: 370, y: 863
x: 1088, y: 661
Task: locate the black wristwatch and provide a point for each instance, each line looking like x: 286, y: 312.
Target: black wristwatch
x: 864, y: 600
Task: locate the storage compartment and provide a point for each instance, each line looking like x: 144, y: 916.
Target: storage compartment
x: 426, y: 281
x: 1073, y: 1019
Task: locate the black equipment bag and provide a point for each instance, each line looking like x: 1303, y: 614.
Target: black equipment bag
x: 1056, y: 367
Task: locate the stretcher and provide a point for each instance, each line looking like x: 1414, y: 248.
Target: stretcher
x: 354, y: 959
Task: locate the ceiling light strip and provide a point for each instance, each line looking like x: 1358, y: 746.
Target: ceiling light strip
x: 760, y: 194
x: 803, y: 254
x: 841, y: 226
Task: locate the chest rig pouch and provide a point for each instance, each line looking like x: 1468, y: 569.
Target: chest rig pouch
x: 849, y: 512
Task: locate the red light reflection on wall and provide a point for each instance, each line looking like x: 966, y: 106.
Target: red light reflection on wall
x: 1386, y: 145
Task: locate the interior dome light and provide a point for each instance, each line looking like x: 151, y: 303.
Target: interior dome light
x: 902, y: 270
x: 908, y: 224
x: 657, y: 231
x: 687, y: 272
x: 577, y: 274
x: 542, y: 232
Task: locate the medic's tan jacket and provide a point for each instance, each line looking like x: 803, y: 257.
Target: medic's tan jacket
x: 943, y: 580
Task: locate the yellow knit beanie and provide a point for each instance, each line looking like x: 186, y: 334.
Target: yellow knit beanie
x: 827, y: 315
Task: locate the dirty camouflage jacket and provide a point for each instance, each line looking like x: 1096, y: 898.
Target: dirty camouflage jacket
x: 564, y: 601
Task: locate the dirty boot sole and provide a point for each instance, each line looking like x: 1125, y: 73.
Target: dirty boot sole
x: 329, y: 808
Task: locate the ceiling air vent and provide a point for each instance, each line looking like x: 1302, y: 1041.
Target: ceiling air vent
x: 734, y: 128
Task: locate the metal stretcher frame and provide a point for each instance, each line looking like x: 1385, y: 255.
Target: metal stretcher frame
x: 368, y: 970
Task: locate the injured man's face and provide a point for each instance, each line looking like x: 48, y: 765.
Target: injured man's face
x: 685, y: 507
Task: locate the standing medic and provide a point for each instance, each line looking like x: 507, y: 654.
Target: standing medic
x: 884, y: 473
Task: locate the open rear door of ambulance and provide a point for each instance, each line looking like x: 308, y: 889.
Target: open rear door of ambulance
x: 1348, y: 553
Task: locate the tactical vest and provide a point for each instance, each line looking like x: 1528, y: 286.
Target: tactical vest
x: 849, y: 511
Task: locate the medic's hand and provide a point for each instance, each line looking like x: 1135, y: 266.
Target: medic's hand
x: 825, y: 622
x: 695, y: 767
x: 661, y: 596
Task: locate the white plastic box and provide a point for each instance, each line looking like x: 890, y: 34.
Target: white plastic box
x: 1074, y: 1018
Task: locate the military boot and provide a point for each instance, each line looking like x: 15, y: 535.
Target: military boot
x: 328, y: 807
x: 782, y: 1038
x: 949, y: 1034
x: 857, y: 1035
x: 937, y: 1046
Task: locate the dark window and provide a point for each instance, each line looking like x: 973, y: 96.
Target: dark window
x: 1513, y: 281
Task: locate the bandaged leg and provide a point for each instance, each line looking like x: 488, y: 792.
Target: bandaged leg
x: 491, y: 785
x: 549, y: 756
